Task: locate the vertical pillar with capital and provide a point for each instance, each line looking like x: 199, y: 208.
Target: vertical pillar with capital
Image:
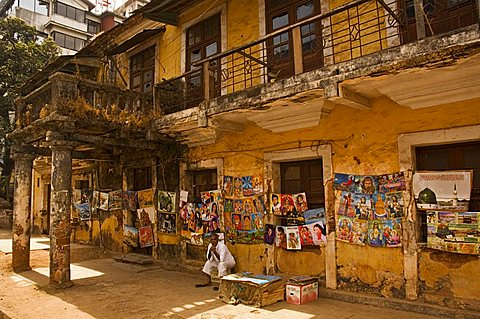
x: 22, y: 210
x: 61, y: 199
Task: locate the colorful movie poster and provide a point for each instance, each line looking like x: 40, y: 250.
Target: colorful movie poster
x: 275, y: 204
x: 446, y: 190
x: 237, y: 187
x: 269, y: 236
x: 319, y: 232
x: 146, y: 216
x: 306, y: 236
x: 228, y: 185
x: 281, y: 237
x: 287, y: 204
x: 115, y: 200
x: 83, y: 211
x: 103, y: 204
x: 145, y: 198
x: 130, y: 236
x: 300, y: 202
x: 344, y: 228
x: 167, y: 223
x: 247, y: 186
x: 392, y: 183
x: 257, y: 183
x: 166, y: 202
x: 146, y: 237
x: 293, y: 238
x: 457, y: 232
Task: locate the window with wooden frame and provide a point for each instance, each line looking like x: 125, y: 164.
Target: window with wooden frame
x: 203, y: 41
x: 203, y: 181
x: 142, y: 70
x: 304, y: 176
x: 282, y: 13
x: 461, y: 156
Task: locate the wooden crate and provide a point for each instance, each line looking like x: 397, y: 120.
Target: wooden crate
x: 249, y: 293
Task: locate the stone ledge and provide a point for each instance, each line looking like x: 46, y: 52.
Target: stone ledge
x: 398, y: 304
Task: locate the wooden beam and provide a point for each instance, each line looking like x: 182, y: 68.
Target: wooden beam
x: 297, y: 50
x: 108, y: 141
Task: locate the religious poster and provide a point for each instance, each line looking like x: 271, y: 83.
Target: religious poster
x: 83, y: 211
x: 358, y: 184
x: 146, y: 237
x: 228, y: 205
x: 257, y: 183
x: 146, y: 216
x: 130, y: 236
x: 237, y: 187
x: 228, y: 185
x: 452, y: 231
x: 247, y: 186
x: 293, y: 238
x: 259, y: 205
x: 359, y: 234
x: 344, y: 228
x: 145, y: 198
x: 103, y: 197
x: 445, y: 190
x: 166, y: 202
x: 167, y: 223
x: 392, y: 232
x: 269, y: 236
x: 115, y: 200
x: 375, y: 233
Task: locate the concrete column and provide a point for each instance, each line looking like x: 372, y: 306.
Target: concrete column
x: 60, y: 212
x: 22, y: 211
x: 420, y: 19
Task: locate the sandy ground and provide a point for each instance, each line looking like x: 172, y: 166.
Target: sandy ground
x: 105, y: 288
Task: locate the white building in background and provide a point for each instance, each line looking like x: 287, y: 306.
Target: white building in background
x: 71, y: 23
x: 129, y: 7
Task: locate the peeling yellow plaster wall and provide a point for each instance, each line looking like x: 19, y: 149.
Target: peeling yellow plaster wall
x: 363, y: 142
x: 112, y: 236
x: 248, y: 257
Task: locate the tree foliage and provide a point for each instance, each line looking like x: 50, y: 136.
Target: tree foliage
x: 22, y: 54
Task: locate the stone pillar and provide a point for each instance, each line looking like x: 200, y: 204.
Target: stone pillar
x: 22, y: 211
x: 60, y: 211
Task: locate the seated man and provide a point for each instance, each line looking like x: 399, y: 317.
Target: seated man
x: 217, y: 256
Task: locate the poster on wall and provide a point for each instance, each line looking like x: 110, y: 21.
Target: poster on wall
x: 281, y: 237
x: 130, y: 236
x: 130, y: 201
x: 228, y: 185
x: 145, y: 198
x: 359, y: 184
x: 166, y: 202
x: 103, y: 205
x: 452, y: 231
x: 269, y: 236
x: 83, y: 211
x: 167, y: 223
x: 115, y: 200
x: 445, y: 190
x: 146, y: 237
x: 146, y: 216
x: 293, y: 238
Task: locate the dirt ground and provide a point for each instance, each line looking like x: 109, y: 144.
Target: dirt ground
x: 105, y: 288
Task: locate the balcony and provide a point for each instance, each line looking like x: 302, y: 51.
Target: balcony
x: 84, y: 100
x: 299, y: 72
